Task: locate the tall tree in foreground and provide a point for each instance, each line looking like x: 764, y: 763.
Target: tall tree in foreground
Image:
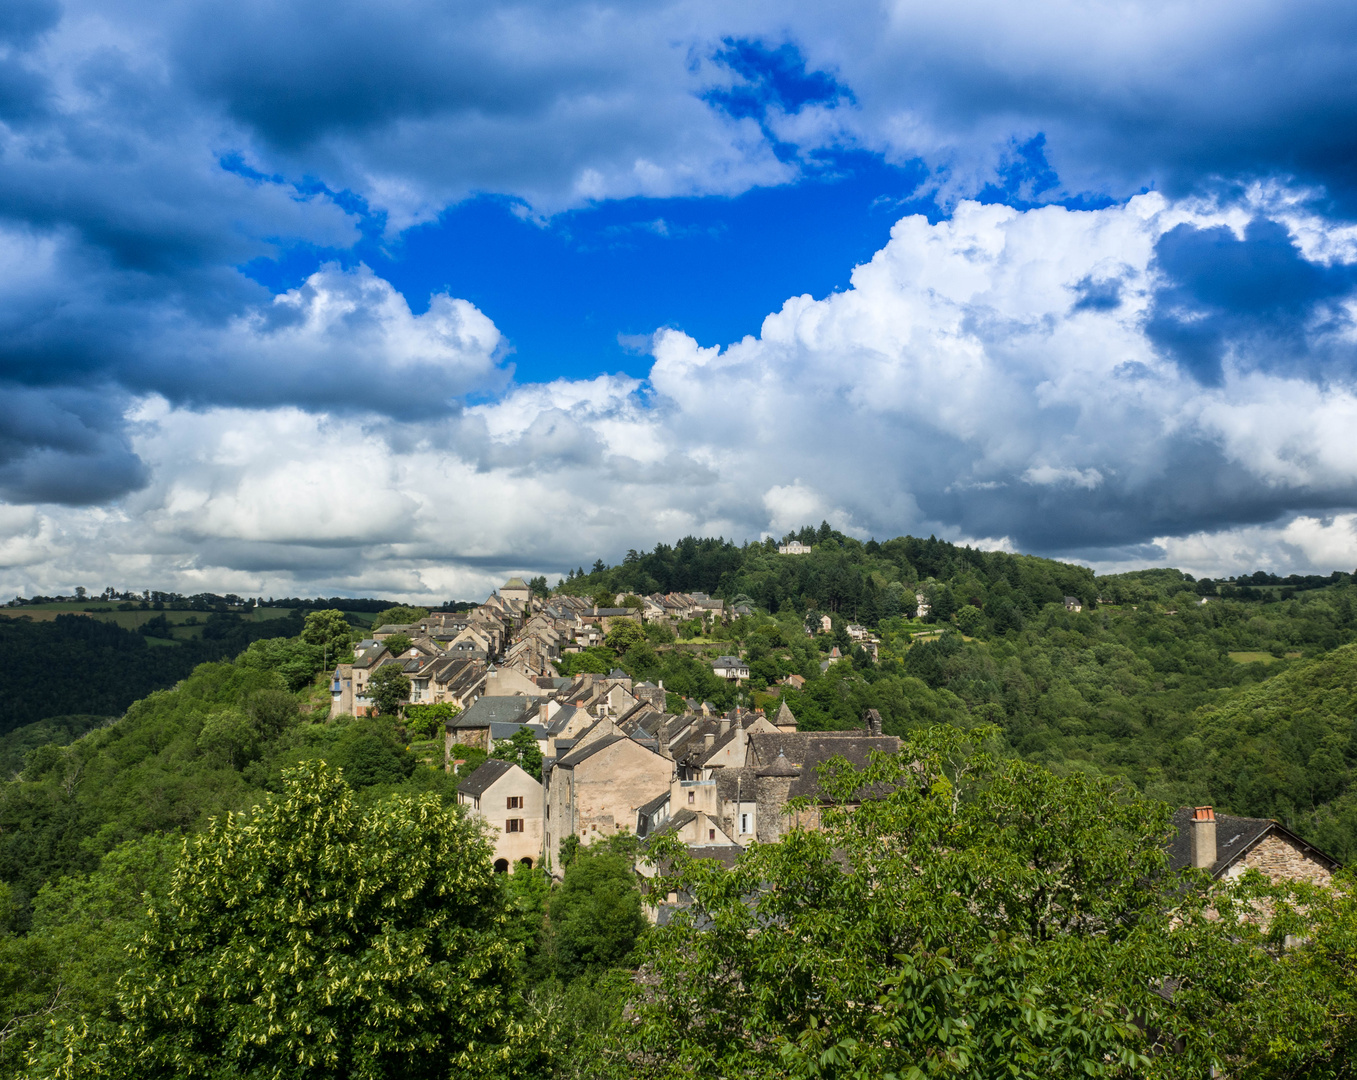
x: 977, y: 918
x: 311, y: 939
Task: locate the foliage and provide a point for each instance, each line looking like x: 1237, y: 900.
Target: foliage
x: 330, y: 631
x: 114, y: 665
x: 524, y: 750
x: 294, y: 659
x: 82, y: 928
x: 1003, y: 920
x: 624, y: 635
x: 428, y: 721
x: 389, y: 688
x: 399, y: 616
x: 472, y: 758
x: 398, y: 643
x: 370, y: 754
x: 596, y: 916
x: 391, y: 914
x: 595, y: 658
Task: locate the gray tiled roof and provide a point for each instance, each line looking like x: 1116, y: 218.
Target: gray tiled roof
x: 589, y: 750
x: 1235, y: 838
x: 478, y: 782
x: 487, y: 710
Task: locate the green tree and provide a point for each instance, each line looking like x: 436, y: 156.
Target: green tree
x: 624, y: 635
x: 389, y: 689
x: 1001, y: 920
x: 429, y: 721
x: 596, y: 916
x: 293, y: 659
x: 524, y: 750
x: 398, y: 643
x: 369, y: 754
x: 331, y: 632
x: 310, y: 939
x: 399, y: 616
x: 970, y: 620
x: 538, y: 586
x: 231, y: 737
x: 472, y: 758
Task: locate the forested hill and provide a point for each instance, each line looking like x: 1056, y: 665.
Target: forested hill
x: 864, y: 581
x: 74, y: 664
x: 1296, y: 732
x: 868, y: 581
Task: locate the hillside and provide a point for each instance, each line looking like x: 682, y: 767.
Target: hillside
x: 1246, y: 702
x: 74, y: 663
x: 1287, y: 749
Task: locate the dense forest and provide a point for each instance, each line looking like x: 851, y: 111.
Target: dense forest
x: 1108, y: 716
x: 74, y: 664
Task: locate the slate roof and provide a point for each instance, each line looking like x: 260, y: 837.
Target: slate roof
x: 515, y: 583
x: 654, y: 804
x: 1235, y: 838
x: 487, y: 710
x: 589, y: 750
x: 780, y: 766
x: 499, y: 730
x: 485, y: 775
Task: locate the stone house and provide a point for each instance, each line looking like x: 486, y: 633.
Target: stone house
x: 364, y: 664
x: 509, y: 801
x: 341, y: 691
x: 471, y: 727
x: 794, y: 547
x: 1226, y: 846
x: 595, y: 789
x: 1073, y: 603
x: 516, y: 589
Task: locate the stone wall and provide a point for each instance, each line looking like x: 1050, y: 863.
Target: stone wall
x: 1281, y: 860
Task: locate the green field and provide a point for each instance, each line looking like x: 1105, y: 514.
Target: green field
x: 1259, y: 657
x: 184, y: 624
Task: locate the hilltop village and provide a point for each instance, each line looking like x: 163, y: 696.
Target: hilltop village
x: 626, y: 757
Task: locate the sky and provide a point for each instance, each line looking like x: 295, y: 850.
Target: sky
x: 397, y: 299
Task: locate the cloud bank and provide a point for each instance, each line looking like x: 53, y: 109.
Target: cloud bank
x: 1002, y: 374
x: 1169, y: 376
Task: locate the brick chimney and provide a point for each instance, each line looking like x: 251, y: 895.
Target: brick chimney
x: 1204, y: 837
x: 873, y: 719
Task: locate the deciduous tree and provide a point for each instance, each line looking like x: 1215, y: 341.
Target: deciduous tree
x: 311, y: 939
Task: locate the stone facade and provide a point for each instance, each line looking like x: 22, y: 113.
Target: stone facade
x: 595, y: 792
x: 511, y: 807
x: 1278, y: 859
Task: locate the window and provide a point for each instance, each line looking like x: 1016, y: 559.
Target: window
x: 514, y: 802
x: 514, y: 825
x: 744, y: 823
x: 692, y: 797
x: 711, y: 834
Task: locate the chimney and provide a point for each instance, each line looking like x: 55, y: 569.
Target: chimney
x: 1204, y: 837
x: 709, y: 739
x: 724, y: 726
x: 873, y: 719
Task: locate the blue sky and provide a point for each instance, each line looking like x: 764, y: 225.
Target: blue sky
x: 576, y: 294
x: 353, y: 297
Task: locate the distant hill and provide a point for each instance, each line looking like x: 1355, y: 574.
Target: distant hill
x: 1287, y: 749
x: 74, y: 664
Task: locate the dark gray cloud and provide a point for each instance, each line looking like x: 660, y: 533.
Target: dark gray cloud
x: 1256, y: 299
